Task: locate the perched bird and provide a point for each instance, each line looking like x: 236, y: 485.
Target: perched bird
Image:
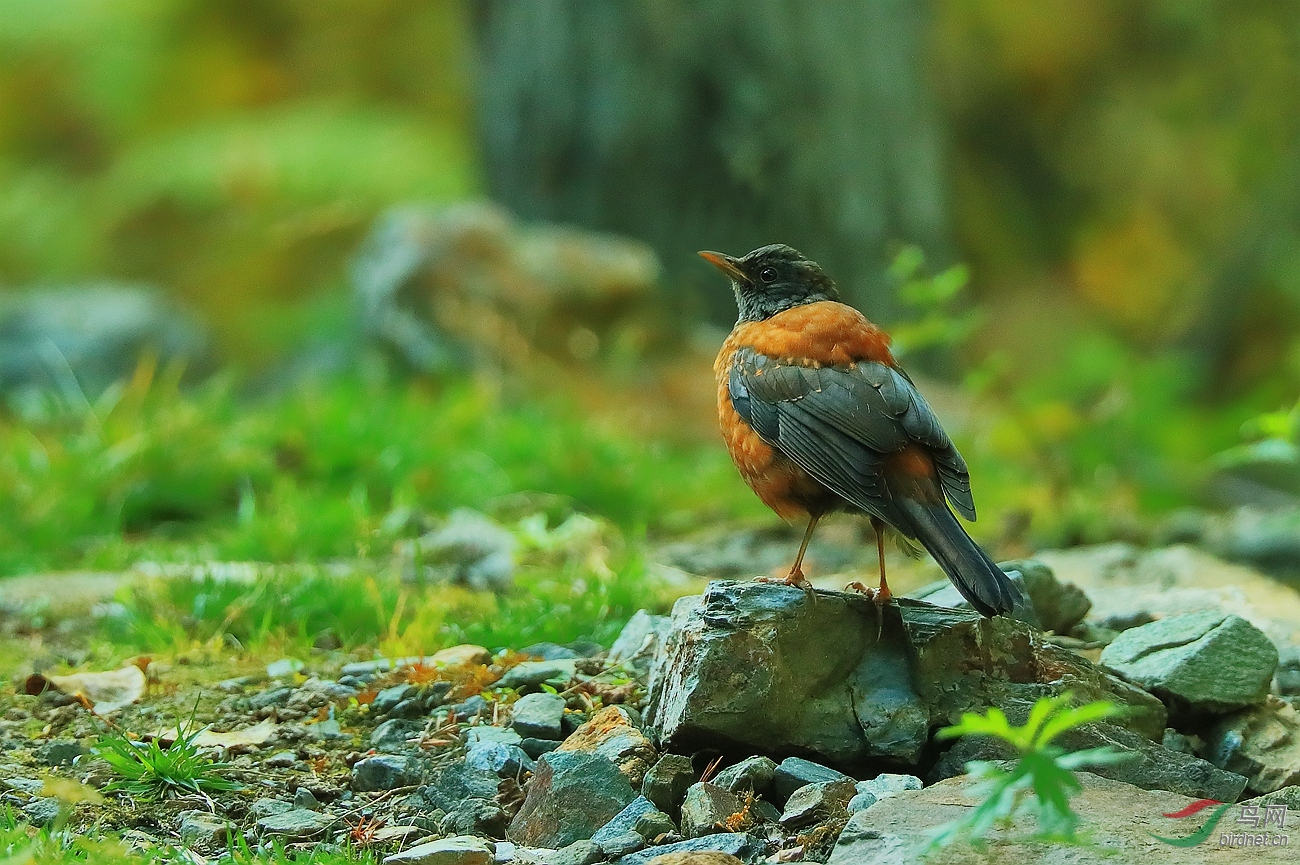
x: 819, y: 417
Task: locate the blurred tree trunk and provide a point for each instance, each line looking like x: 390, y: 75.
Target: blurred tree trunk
x: 720, y: 124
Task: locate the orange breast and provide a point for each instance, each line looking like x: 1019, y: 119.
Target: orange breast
x: 816, y: 334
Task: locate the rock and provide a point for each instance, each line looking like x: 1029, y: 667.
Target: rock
x: 625, y: 821
x: 296, y: 824
x: 305, y: 800
x: 751, y: 664
x: 388, y: 698
x: 95, y: 334
x: 752, y: 773
x: 202, y: 829
x: 266, y: 807
x: 612, y: 733
x: 706, y: 808
x: 1059, y: 605
x: 468, y: 549
x: 1286, y: 680
x: 281, y: 760
x: 454, y: 656
x: 535, y: 748
x: 639, y: 640
x: 667, y: 781
x: 506, y: 761
x: 475, y: 817
x: 283, y: 668
x: 817, y: 803
x: 885, y: 785
x: 485, y: 733
x: 622, y: 844
x: 463, y: 655
x: 740, y: 845
x: 1116, y: 816
x: 470, y: 710
x: 42, y: 811
x: 653, y: 824
x: 943, y: 593
x: 273, y: 697
x: 1262, y: 743
x: 795, y: 772
x: 384, y: 772
x: 549, y: 651
x: 453, y: 783
x: 861, y: 802
x: 460, y: 850
x: 1182, y: 742
x: 571, y: 796
x: 1198, y: 662
x: 704, y: 858
x: 393, y: 735
x: 60, y: 752
x: 538, y: 716
x: 533, y: 673
x: 1152, y: 767
x: 1289, y: 796
x: 1268, y: 538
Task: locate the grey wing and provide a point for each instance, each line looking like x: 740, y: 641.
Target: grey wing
x: 839, y: 423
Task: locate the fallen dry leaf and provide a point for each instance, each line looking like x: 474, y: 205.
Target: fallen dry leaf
x: 106, y: 692
x: 249, y: 737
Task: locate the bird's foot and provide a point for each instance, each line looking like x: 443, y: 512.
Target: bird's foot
x: 861, y: 589
x: 794, y: 579
x: 883, y: 595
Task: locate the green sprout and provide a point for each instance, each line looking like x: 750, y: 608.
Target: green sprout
x: 1042, y: 779
x: 151, y: 771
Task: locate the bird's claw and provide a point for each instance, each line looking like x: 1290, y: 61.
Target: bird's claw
x: 794, y: 579
x: 881, y: 596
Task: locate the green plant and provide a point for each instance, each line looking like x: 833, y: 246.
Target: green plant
x: 937, y: 320
x: 1042, y: 779
x: 150, y: 771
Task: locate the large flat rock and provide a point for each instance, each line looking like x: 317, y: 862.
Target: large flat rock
x: 1119, y: 820
x: 757, y: 667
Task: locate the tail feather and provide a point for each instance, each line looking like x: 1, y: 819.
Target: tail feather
x: 980, y: 582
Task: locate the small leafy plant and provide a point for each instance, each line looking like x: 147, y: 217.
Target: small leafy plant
x: 1042, y: 779
x: 151, y: 771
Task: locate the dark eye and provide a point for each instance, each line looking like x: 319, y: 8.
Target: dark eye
x: 767, y: 274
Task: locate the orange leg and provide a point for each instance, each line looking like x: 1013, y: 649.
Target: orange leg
x: 796, y: 577
x: 881, y: 596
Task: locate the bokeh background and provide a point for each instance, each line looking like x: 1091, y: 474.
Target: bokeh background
x: 256, y: 304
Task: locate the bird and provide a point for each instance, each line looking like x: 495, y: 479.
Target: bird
x: 819, y: 418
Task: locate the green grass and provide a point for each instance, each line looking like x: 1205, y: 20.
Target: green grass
x: 150, y: 771
x: 156, y: 472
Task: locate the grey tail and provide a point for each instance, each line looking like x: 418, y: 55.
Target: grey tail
x: 980, y: 582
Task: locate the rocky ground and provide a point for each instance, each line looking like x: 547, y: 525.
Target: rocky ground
x: 756, y: 722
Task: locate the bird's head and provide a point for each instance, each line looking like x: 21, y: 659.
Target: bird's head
x: 772, y: 279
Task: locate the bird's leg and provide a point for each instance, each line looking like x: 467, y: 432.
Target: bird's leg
x: 883, y: 596
x: 796, y: 577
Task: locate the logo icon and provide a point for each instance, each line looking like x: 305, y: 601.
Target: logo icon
x: 1206, y: 830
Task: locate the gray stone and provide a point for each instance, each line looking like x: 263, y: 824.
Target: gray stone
x: 667, y: 780
x: 485, y: 733
x: 538, y: 716
x: 533, y: 673
x: 622, y: 844
x: 577, y: 853
x: 1286, y: 680
x: 1151, y: 767
x: 475, y: 817
x: 625, y: 820
x: 392, y: 735
x: 535, y: 748
x: 817, y: 803
x: 549, y: 652
x: 281, y: 760
x: 201, y: 829
x: 452, y: 783
x: 91, y: 334
x: 1198, y: 662
x: 796, y: 772
x: 273, y: 697
x: 847, y: 682
x: 506, y: 761
x: 654, y: 824
x: 706, y: 808
x: 305, y: 800
x: 386, y: 699
x: 572, y: 795
x: 470, y: 710
x: 408, y: 709
x: 42, y: 811
x: 1262, y: 743
x: 752, y: 773
x: 745, y: 847
x: 384, y: 772
x: 942, y: 593
x: 460, y: 850
x: 296, y: 824
x: 640, y: 638
x: 861, y: 802
x: 885, y: 785
x: 1059, y: 605
x: 60, y: 752
x: 266, y: 807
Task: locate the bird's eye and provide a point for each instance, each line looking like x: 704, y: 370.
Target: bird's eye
x: 767, y: 274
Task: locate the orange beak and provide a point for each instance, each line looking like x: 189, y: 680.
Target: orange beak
x: 726, y: 264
